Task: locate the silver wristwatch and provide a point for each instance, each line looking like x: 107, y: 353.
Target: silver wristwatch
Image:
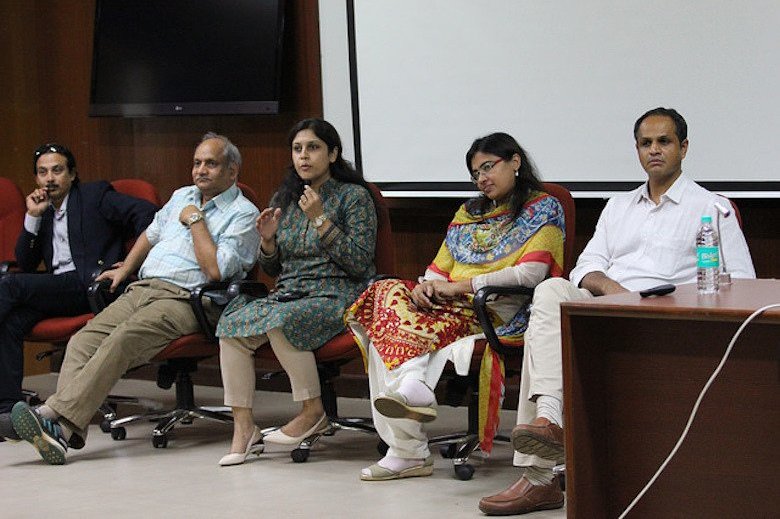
x: 320, y: 220
x: 193, y: 218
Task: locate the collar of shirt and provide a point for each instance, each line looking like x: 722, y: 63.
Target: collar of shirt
x: 674, y: 193
x: 59, y: 214
x: 221, y: 201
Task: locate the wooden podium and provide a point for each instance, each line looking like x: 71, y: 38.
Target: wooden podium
x: 632, y: 371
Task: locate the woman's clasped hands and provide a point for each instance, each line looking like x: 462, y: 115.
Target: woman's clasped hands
x: 431, y: 292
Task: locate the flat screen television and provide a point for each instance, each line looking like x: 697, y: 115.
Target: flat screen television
x: 186, y: 57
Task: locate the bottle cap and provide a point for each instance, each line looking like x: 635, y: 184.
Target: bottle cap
x: 706, y: 219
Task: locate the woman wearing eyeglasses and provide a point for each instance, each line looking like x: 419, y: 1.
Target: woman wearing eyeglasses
x: 511, y: 234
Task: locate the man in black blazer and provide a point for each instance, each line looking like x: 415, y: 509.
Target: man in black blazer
x: 75, y: 230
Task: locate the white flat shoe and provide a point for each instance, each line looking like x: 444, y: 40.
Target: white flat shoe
x: 254, y: 446
x: 281, y: 438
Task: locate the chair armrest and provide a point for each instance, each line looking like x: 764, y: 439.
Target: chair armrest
x: 6, y: 267
x: 218, y: 292
x: 247, y: 287
x: 98, y: 295
x: 481, y: 299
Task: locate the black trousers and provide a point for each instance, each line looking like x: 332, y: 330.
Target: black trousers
x: 26, y: 299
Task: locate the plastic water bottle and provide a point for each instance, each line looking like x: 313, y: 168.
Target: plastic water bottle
x: 707, y: 257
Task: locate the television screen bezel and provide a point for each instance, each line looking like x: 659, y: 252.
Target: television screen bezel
x: 253, y: 107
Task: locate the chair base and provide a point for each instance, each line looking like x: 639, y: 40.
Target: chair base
x: 301, y: 453
x: 328, y: 372
x: 184, y: 413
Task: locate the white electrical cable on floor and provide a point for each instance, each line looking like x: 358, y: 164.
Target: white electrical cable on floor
x: 696, y: 407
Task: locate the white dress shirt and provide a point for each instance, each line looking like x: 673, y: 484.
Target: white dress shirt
x: 640, y: 244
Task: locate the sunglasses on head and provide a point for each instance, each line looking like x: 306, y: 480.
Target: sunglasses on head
x: 51, y: 148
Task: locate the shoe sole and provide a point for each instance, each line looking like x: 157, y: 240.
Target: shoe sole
x: 525, y: 442
x: 29, y: 430
x: 413, y: 472
x: 392, y: 408
x: 545, y: 506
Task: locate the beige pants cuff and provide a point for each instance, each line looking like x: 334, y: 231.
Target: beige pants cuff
x: 238, y: 368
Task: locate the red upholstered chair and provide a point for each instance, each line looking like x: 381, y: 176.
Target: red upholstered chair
x: 460, y: 446
x: 58, y: 330
x: 12, y: 209
x: 342, y: 349
x: 179, y: 360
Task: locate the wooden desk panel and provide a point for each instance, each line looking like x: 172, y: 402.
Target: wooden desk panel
x: 632, y: 371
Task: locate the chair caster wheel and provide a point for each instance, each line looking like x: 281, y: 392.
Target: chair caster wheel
x: 464, y: 472
x: 448, y: 450
x: 105, y: 426
x: 299, y: 455
x: 120, y: 433
x: 382, y: 448
x: 160, y: 442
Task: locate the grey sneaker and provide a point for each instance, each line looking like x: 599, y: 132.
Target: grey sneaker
x: 7, y: 431
x: 43, y: 434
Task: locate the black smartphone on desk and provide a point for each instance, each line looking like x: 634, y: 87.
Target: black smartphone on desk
x: 660, y: 290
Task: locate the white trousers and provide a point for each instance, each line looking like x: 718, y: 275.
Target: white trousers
x: 407, y: 438
x: 542, y: 368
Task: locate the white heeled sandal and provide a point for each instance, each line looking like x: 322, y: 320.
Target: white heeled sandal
x: 281, y: 438
x: 254, y: 446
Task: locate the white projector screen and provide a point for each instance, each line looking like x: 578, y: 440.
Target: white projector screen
x: 567, y: 78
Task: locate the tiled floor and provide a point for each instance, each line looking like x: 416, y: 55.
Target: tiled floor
x: 132, y: 479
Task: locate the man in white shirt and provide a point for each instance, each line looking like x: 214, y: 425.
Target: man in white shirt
x: 643, y: 238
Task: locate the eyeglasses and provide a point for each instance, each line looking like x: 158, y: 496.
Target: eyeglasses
x: 485, y: 169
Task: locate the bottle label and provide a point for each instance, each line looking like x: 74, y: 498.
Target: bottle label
x: 707, y: 257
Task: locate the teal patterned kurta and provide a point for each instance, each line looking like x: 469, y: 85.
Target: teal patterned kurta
x: 333, y: 271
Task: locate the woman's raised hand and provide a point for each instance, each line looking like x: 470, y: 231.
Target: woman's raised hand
x: 267, y: 224
x: 311, y: 203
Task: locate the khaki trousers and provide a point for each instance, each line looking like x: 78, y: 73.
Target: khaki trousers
x: 542, y: 370
x: 127, y: 334
x: 237, y: 362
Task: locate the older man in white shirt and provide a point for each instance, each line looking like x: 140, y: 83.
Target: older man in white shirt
x: 643, y: 238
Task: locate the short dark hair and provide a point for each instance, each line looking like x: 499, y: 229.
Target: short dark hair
x: 680, y: 126
x: 53, y: 147
x: 505, y: 146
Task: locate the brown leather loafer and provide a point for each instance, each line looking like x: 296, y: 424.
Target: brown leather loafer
x: 540, y: 438
x: 523, y: 497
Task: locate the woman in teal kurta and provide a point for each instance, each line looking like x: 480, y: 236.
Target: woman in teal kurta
x: 317, y: 238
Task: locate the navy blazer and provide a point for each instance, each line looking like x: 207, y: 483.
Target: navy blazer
x: 100, y: 220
